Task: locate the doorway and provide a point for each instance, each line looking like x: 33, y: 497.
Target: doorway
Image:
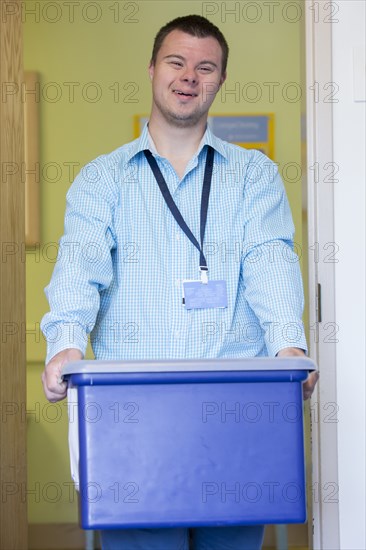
x: 82, y: 94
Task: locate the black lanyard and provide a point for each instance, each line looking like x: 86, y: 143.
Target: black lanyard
x: 173, y: 207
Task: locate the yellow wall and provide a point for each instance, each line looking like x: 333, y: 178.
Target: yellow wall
x: 113, y: 53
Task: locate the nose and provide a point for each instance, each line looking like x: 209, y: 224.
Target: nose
x: 189, y: 76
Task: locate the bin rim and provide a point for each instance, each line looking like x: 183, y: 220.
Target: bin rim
x: 255, y: 364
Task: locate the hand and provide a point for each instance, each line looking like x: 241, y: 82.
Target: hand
x: 54, y: 389
x: 309, y: 384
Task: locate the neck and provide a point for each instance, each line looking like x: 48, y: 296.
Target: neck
x: 174, y: 142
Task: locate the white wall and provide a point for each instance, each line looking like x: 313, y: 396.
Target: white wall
x: 349, y: 196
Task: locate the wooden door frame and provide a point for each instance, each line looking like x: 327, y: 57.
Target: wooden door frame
x: 13, y: 506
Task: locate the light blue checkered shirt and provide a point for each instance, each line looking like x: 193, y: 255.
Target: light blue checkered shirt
x: 123, y: 258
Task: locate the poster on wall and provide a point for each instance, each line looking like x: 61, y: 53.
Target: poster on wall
x: 252, y: 131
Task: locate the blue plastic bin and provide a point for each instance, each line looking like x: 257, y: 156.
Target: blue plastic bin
x: 189, y: 443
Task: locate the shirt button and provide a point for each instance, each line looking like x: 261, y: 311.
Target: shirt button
x: 177, y: 236
x: 177, y: 334
x: 177, y: 282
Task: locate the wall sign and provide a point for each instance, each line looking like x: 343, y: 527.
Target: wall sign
x: 252, y: 131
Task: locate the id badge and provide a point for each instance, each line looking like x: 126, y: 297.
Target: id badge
x: 203, y: 296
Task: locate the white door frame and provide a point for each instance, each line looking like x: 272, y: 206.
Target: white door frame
x: 320, y: 169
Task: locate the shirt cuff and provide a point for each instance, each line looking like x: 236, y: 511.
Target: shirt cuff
x: 284, y: 335
x: 61, y: 336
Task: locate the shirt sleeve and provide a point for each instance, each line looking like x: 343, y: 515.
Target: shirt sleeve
x: 84, y: 263
x: 270, y: 267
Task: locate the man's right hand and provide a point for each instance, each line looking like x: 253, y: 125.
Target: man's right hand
x: 54, y: 389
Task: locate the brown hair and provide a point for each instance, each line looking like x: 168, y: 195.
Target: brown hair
x: 195, y: 25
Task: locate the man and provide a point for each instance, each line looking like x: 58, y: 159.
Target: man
x: 172, y: 206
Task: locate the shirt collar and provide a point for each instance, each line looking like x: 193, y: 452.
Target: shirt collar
x: 145, y: 142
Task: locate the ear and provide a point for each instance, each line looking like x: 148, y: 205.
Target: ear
x: 223, y: 78
x: 151, y: 70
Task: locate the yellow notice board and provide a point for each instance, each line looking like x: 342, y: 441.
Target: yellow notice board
x: 252, y: 131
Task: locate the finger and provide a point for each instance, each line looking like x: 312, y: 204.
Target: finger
x: 53, y: 396
x: 309, y: 385
x: 53, y: 383
x: 52, y: 387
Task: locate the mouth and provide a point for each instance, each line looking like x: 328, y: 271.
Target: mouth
x: 184, y: 94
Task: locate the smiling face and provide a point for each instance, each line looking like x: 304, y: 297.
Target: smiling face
x: 185, y: 79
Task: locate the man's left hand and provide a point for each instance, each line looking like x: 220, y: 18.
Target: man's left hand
x: 309, y: 384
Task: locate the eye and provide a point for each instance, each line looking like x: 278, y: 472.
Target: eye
x: 205, y: 69
x: 176, y: 63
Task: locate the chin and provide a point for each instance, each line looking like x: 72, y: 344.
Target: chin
x: 184, y: 121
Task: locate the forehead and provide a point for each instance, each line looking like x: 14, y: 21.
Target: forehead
x: 183, y: 44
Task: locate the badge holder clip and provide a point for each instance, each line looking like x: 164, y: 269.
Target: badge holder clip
x: 204, y: 274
